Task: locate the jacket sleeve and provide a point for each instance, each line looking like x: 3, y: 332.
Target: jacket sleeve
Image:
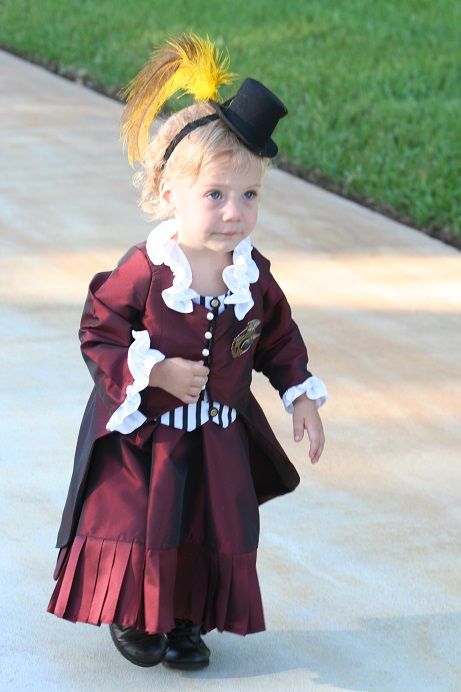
x: 113, y: 309
x: 280, y: 352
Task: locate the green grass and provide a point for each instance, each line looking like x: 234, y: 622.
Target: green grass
x: 372, y: 87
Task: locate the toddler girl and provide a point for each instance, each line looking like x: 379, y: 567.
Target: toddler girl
x: 160, y: 530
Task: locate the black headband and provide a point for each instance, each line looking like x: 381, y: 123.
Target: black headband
x: 185, y: 131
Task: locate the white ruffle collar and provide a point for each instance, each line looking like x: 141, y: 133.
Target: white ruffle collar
x: 163, y: 249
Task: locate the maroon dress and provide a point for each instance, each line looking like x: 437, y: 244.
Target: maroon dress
x: 163, y: 523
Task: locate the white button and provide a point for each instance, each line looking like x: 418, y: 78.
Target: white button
x: 205, y: 352
x: 210, y: 316
x: 208, y: 335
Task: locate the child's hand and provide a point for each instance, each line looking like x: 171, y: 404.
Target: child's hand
x: 306, y: 417
x: 183, y: 378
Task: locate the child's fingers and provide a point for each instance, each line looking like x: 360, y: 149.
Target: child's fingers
x: 192, y: 395
x: 200, y: 369
x: 306, y: 417
x: 314, y: 452
x: 298, y: 427
x: 199, y: 380
x: 316, y: 449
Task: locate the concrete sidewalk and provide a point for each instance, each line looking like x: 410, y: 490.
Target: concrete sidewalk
x: 360, y: 567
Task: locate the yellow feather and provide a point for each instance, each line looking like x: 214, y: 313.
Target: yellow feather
x: 187, y: 64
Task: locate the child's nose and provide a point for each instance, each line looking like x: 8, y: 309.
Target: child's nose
x: 231, y: 211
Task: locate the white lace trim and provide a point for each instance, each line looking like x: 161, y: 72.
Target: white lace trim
x: 141, y: 360
x: 314, y: 388
x: 163, y: 249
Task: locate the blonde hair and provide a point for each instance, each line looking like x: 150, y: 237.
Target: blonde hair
x: 195, y: 151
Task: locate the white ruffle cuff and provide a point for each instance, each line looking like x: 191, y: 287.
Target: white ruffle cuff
x: 141, y: 360
x: 162, y: 248
x: 314, y: 388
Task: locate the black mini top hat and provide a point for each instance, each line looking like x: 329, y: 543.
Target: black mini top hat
x: 252, y: 114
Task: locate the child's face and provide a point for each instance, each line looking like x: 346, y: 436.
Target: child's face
x: 217, y: 210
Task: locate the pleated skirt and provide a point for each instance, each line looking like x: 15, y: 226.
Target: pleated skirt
x: 169, y: 528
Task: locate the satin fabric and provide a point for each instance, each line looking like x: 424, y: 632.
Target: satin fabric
x: 169, y: 529
x: 162, y: 523
x: 130, y: 298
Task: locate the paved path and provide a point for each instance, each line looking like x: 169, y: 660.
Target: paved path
x: 360, y: 567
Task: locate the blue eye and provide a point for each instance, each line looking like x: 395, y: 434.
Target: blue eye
x: 214, y: 194
x: 250, y: 194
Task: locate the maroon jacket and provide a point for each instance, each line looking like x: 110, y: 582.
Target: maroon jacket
x: 130, y: 298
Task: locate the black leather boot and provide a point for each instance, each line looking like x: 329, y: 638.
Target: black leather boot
x: 139, y: 647
x: 185, y: 647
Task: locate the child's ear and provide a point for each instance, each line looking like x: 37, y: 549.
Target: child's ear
x: 166, y: 193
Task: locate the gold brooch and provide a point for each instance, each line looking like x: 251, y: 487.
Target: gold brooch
x: 243, y: 341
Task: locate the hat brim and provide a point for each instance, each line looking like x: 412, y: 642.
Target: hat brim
x: 269, y: 150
